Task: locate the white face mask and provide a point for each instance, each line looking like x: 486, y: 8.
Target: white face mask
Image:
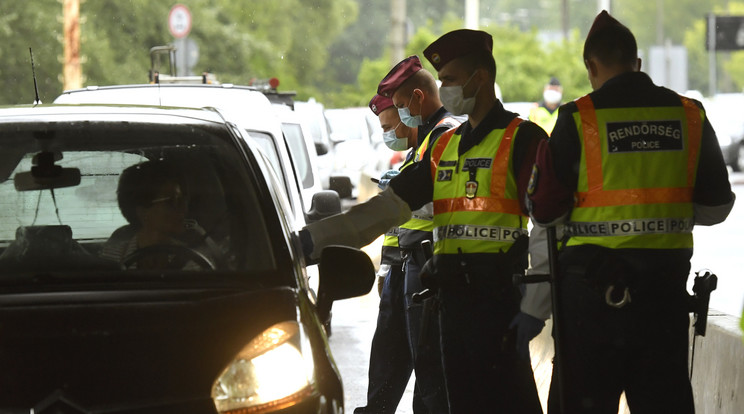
x: 454, y: 99
x: 393, y: 142
x: 552, y: 97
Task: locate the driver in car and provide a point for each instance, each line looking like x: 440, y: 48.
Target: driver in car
x: 154, y: 201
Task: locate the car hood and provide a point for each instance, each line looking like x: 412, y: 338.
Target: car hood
x: 123, y: 351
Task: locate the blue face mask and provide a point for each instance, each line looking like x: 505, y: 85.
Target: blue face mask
x: 393, y: 142
x: 411, y: 121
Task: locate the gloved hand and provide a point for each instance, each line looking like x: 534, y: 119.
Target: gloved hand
x: 386, y: 177
x: 528, y: 327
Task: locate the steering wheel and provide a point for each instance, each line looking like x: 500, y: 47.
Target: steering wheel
x: 173, y: 251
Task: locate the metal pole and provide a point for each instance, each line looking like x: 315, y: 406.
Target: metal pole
x: 472, y: 14
x: 398, y: 31
x: 712, y: 76
x: 565, y: 19
x: 72, y: 73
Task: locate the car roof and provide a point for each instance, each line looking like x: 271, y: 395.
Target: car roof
x: 92, y: 112
x: 231, y: 100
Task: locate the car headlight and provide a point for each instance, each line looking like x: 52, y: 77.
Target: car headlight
x: 275, y: 370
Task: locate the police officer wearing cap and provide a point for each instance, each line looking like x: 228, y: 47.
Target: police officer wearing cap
x: 631, y: 167
x: 476, y: 176
x: 545, y: 113
x: 390, y: 361
x: 414, y: 92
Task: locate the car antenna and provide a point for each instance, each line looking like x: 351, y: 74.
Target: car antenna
x: 37, y: 101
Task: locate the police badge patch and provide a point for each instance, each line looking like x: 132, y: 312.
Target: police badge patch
x: 471, y: 187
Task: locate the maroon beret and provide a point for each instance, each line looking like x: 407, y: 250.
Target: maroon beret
x: 397, y: 75
x: 457, y: 43
x: 379, y: 103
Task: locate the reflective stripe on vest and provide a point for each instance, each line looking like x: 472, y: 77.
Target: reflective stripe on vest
x: 636, y: 176
x: 420, y: 226
x: 492, y: 219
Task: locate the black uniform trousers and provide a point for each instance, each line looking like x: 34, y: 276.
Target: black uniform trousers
x: 390, y: 361
x: 641, y: 348
x: 483, y: 371
x: 423, y: 331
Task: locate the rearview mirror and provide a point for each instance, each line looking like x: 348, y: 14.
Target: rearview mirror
x: 58, y: 178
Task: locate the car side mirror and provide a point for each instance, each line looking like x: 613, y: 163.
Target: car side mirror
x: 341, y: 184
x: 325, y: 203
x: 321, y: 148
x: 345, y: 272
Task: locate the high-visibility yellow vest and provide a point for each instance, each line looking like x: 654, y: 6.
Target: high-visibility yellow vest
x: 475, y: 194
x: 420, y: 226
x: 636, y: 176
x: 544, y: 118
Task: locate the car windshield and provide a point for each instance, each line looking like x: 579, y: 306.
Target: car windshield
x: 90, y: 196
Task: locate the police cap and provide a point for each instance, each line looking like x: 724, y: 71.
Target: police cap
x: 398, y: 74
x: 379, y: 103
x: 456, y: 44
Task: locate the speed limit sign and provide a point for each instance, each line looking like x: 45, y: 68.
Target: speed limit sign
x: 179, y: 21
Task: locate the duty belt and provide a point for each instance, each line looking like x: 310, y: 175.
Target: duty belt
x: 634, y: 227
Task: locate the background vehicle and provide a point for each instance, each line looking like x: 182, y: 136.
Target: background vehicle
x: 726, y: 114
x: 86, y: 334
x: 357, y: 142
x: 302, y: 149
x: 313, y: 113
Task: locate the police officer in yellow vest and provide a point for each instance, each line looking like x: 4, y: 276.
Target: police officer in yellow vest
x: 632, y: 167
x: 545, y: 112
x: 476, y: 176
x: 414, y: 93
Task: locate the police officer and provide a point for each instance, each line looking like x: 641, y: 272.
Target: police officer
x: 545, y: 112
x: 476, y: 177
x: 390, y: 361
x: 414, y: 92
x: 633, y: 166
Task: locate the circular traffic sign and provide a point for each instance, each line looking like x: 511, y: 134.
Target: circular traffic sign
x: 179, y: 21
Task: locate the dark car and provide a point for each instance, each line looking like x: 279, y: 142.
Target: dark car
x: 100, y: 316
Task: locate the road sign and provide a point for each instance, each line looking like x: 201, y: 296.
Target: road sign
x: 179, y: 21
x: 728, y: 33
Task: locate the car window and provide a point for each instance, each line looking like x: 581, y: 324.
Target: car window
x: 298, y: 148
x: 184, y: 189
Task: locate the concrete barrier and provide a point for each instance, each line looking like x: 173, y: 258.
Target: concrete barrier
x: 718, y: 366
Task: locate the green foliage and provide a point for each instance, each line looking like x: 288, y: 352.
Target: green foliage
x: 17, y: 35
x: 336, y: 50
